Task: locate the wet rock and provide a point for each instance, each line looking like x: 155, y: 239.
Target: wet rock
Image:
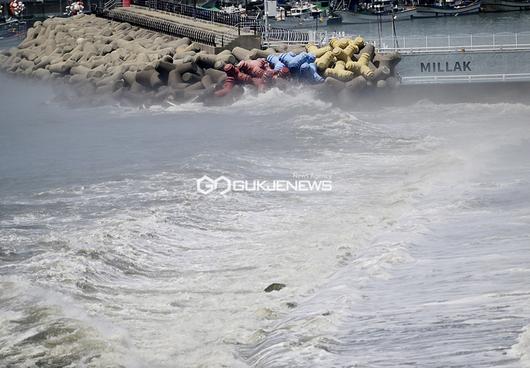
x: 275, y: 286
x: 241, y: 53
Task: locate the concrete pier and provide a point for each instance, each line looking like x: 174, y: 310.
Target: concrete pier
x: 214, y: 36
x: 458, y: 59
x: 482, y: 58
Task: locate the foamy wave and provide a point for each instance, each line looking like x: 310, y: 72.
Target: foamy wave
x: 521, y: 350
x: 181, y: 276
x: 272, y: 101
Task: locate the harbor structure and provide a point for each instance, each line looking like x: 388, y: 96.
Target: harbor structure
x: 428, y: 60
x: 434, y: 59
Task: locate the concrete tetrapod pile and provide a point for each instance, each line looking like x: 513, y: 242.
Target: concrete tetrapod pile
x: 111, y: 58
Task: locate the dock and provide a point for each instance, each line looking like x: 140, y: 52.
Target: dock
x: 428, y: 60
x: 185, y: 21
x: 446, y: 59
x: 457, y: 59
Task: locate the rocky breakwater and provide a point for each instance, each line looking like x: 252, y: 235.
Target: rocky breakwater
x: 108, y: 58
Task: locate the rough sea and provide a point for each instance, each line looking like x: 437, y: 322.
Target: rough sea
x: 419, y: 256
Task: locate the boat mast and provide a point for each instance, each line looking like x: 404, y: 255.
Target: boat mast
x: 394, y: 33
x: 266, y: 11
x: 379, y: 20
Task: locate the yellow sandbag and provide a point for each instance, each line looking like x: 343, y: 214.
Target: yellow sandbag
x: 359, y: 42
x: 361, y: 66
x: 364, y: 60
x: 345, y: 55
x: 339, y: 42
x: 351, y: 49
x: 350, y: 65
x: 341, y: 54
x: 339, y: 72
x: 317, y: 51
x: 325, y: 61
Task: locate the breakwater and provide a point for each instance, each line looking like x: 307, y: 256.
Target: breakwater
x: 112, y: 58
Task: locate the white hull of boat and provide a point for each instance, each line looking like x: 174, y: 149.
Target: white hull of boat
x: 432, y: 12
x: 296, y: 22
x: 304, y: 22
x: 362, y: 18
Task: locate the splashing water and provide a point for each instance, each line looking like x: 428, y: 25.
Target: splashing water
x: 109, y: 257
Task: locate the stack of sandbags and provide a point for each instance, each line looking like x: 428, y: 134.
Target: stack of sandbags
x: 344, y: 64
x: 353, y: 65
x: 109, y: 57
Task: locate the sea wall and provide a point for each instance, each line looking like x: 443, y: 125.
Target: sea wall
x: 108, y: 58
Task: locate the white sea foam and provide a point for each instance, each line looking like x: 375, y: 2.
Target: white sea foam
x: 521, y: 349
x: 418, y: 255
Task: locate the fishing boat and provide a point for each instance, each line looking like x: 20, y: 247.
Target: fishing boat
x: 232, y: 9
x: 298, y: 12
x: 377, y: 11
x: 303, y: 15
x: 447, y: 8
x: 504, y: 5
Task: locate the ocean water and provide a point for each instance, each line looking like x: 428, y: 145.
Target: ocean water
x: 482, y: 23
x: 109, y: 257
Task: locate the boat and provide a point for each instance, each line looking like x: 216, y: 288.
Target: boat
x: 504, y: 5
x: 232, y: 9
x: 349, y: 17
x: 445, y: 8
x: 377, y: 11
x: 303, y: 15
x: 298, y: 12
